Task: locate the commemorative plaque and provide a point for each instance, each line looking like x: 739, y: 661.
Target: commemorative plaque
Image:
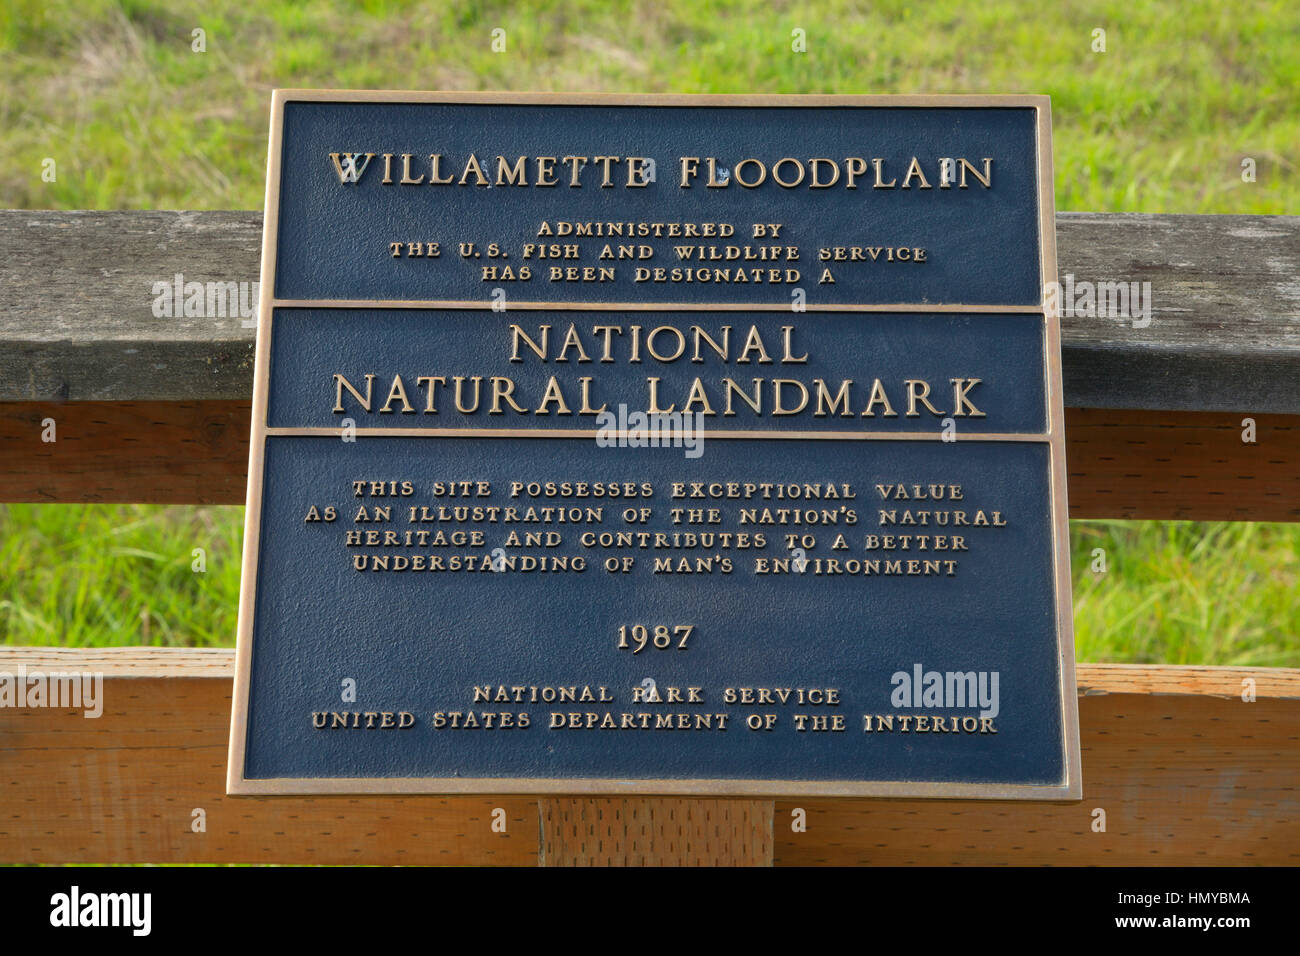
x: 657, y: 445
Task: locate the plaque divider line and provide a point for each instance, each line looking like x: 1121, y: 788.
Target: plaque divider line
x: 563, y: 306
x: 329, y: 431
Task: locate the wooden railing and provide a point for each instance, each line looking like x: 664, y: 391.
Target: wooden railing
x: 1185, y: 766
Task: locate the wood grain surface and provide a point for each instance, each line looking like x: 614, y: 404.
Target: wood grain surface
x: 1185, y: 770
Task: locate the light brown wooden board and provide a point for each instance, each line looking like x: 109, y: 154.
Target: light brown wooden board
x: 77, y: 320
x: 1121, y: 464
x: 123, y: 787
x: 1184, y: 779
x: 1186, y: 770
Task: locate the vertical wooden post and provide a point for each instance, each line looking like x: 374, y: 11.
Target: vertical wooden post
x: 655, y: 831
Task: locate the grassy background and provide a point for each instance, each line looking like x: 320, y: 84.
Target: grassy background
x: 134, y: 119
x: 1159, y: 122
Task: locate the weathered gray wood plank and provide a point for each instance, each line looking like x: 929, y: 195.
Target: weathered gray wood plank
x: 1225, y: 324
x: 76, y: 305
x: 76, y: 317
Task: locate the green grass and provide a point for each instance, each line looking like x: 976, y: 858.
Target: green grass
x: 134, y: 119
x: 1160, y: 122
x: 1183, y: 592
x: 110, y: 575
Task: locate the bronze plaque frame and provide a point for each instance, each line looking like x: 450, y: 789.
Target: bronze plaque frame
x: 1071, y: 787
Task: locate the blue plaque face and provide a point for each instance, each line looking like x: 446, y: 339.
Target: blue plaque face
x: 657, y: 445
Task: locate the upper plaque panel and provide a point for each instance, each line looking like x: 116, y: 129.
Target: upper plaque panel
x: 900, y: 193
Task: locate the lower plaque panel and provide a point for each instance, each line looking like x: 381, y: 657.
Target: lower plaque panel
x: 828, y: 612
